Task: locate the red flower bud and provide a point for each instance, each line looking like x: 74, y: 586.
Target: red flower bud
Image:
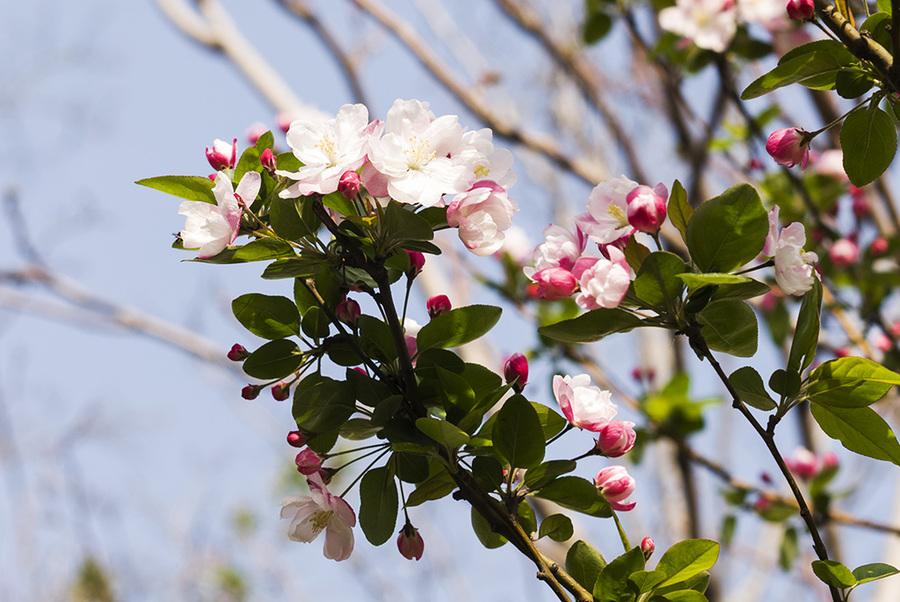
x: 555, y: 283
x: 800, y: 10
x: 250, y: 392
x: 348, y: 311
x: 647, y: 547
x: 238, y: 353
x: 789, y: 147
x: 647, y: 208
x: 296, y: 439
x: 515, y: 371
x: 308, y: 462
x: 281, y: 391
x: 878, y: 247
x: 416, y: 263
x: 616, y: 438
x: 269, y: 160
x: 221, y: 155
x: 410, y: 543
x: 438, y: 305
x: 349, y: 184
x: 843, y: 252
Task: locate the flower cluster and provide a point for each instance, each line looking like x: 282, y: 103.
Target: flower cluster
x: 616, y: 209
x: 591, y: 408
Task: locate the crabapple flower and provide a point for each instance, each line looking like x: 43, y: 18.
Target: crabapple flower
x: 554, y: 284
x: 647, y: 208
x: 768, y: 13
x: 250, y: 392
x: 210, y: 228
x: 515, y: 371
x: 603, y: 282
x: 709, y: 24
x: 238, y: 353
x: 478, y: 155
x: 317, y: 512
x: 482, y: 214
x: 843, y: 252
x: 647, y: 547
x: 606, y: 220
x: 410, y: 543
x: 583, y: 405
x: 615, y: 484
x: 794, y: 271
x: 414, y: 154
x: 308, y: 462
x: 804, y: 463
x: 348, y: 311
x: 789, y: 147
x: 296, y: 439
x: 560, y: 249
x: 800, y: 10
x: 616, y: 438
x: 328, y: 150
x: 222, y: 155
x: 437, y: 305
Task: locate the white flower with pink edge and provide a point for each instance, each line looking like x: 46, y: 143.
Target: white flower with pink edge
x: 794, y: 271
x: 615, y: 484
x: 210, y: 228
x: 603, y: 282
x: 583, y: 404
x: 482, y: 214
x: 709, y: 24
x: 317, y: 512
x: 606, y: 219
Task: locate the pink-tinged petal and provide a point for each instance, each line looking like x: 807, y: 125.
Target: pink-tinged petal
x: 772, y: 238
x: 249, y: 186
x: 343, y: 510
x: 338, y: 540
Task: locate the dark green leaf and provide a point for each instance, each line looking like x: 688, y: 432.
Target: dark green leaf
x: 851, y: 84
x: 576, y: 494
x: 266, y: 316
x: 584, y: 563
x: 261, y: 249
x: 687, y: 559
x: 484, y: 532
x: 613, y: 579
x: 806, y: 335
x: 741, y: 290
x: 869, y: 142
x: 275, y: 359
x: 321, y: 404
x: 358, y: 429
x: 787, y: 550
x: 592, y: 326
x: 596, y: 27
x: 730, y: 326
x: 656, y: 283
x: 860, y: 430
x: 458, y: 326
x: 410, y: 467
x: 850, y: 382
x: 557, y: 527
x: 749, y: 386
x: 293, y: 219
x: 786, y: 383
x: 527, y: 518
x: 833, y: 573
x: 192, y: 188
x: 517, y: 434
x: 815, y: 69
x: 696, y: 281
x: 315, y: 323
x: 400, y: 223
x: 378, y: 505
x: 542, y: 474
x: 871, y: 572
x: 635, y: 254
x: 728, y: 231
x: 443, y: 432
x: 434, y: 488
x: 679, y: 210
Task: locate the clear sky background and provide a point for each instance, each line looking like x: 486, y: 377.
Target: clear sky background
x: 121, y: 448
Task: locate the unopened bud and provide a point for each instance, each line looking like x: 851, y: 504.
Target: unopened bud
x: 296, y: 439
x: 250, y: 392
x: 647, y: 208
x: 616, y: 438
x: 348, y: 312
x: 256, y: 130
x: 878, y: 247
x: 238, y: 353
x: 860, y: 204
x: 416, y: 263
x: 843, y: 252
x: 349, y: 184
x: 647, y: 547
x: 269, y: 161
x: 281, y: 391
x: 800, y: 10
x: 555, y: 283
x: 515, y: 371
x: 222, y: 155
x: 308, y: 462
x: 410, y: 543
x: 437, y: 305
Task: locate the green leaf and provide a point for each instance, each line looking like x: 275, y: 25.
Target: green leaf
x: 869, y: 142
x: 850, y: 84
x: 542, y: 474
x: 592, y: 326
x: 635, y: 254
x: 850, y: 382
x: 456, y: 393
x: 741, y: 290
x: 275, y: 359
x: 730, y: 326
x: 557, y: 527
x: 267, y: 316
x: 785, y: 383
x: 293, y: 267
x: 815, y: 69
x: 484, y: 532
x: 551, y: 421
x: 679, y: 210
x: 584, y: 563
x: 527, y: 518
x: 871, y: 572
x: 400, y: 223
x: 696, y: 281
x: 517, y: 434
x: 596, y: 27
x: 860, y: 430
x: 261, y: 249
x: 192, y: 188
x: 833, y: 573
x: 687, y: 559
x: 806, y: 335
x: 613, y: 579
x: 685, y: 595
x: 787, y: 550
x: 434, y: 488
x: 443, y: 432
x: 646, y: 581
x: 749, y: 386
x: 656, y: 283
x: 315, y: 323
x: 458, y: 326
x: 576, y: 494
x: 378, y: 505
x: 728, y: 231
x: 322, y: 404
x: 293, y: 219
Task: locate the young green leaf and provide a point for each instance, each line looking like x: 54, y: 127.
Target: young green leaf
x: 871, y: 572
x: 687, y: 559
x: 656, y: 283
x: 833, y: 573
x: 850, y: 382
x: 442, y: 431
x: 815, y: 69
x: 728, y: 231
x: 679, y: 210
x: 458, y: 326
x: 860, y: 430
x: 434, y: 488
x: 576, y: 494
x: 592, y: 326
x: 584, y: 563
x: 749, y: 386
x: 192, y: 188
x: 557, y: 527
x: 517, y: 434
x: 378, y: 505
x: 806, y: 335
x: 613, y: 579
x: 869, y: 142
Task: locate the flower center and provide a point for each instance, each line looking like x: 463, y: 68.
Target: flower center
x: 320, y: 520
x: 617, y: 214
x: 417, y: 154
x: 326, y: 145
x: 482, y: 171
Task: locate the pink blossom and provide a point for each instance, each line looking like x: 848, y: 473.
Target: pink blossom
x: 583, y: 404
x: 647, y: 208
x: 515, y: 371
x: 843, y: 252
x: 308, y: 462
x: 794, y: 271
x: 411, y: 329
x: 210, y: 228
x: 882, y: 342
x: 477, y: 155
x: 317, y: 512
x: 859, y: 203
x: 616, y: 438
x: 709, y: 24
x: 789, y: 147
x: 482, y: 214
x: 803, y: 463
x: 606, y: 220
x: 255, y: 131
x: 410, y: 543
x: 555, y: 283
x: 604, y: 283
x: 560, y: 249
x: 878, y: 247
x: 800, y: 10
x: 437, y: 305
x: 222, y: 155
x: 616, y: 485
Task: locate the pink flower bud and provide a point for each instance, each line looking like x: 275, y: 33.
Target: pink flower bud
x: 222, y: 155
x: 616, y: 438
x: 515, y: 371
x: 882, y: 342
x: 308, y: 462
x: 647, y: 547
x: 256, y: 130
x: 754, y: 163
x: 555, y: 283
x: 789, y: 147
x: 616, y: 485
x: 348, y: 312
x: 800, y: 10
x: 804, y: 464
x: 250, y: 392
x: 269, y: 161
x: 296, y: 439
x: 829, y: 460
x: 860, y: 205
x: 281, y: 391
x: 843, y: 252
x: 438, y: 305
x: 238, y: 353
x: 349, y: 184
x: 647, y: 208
x: 410, y: 543
x: 416, y: 263
x: 766, y: 478
x: 878, y: 247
